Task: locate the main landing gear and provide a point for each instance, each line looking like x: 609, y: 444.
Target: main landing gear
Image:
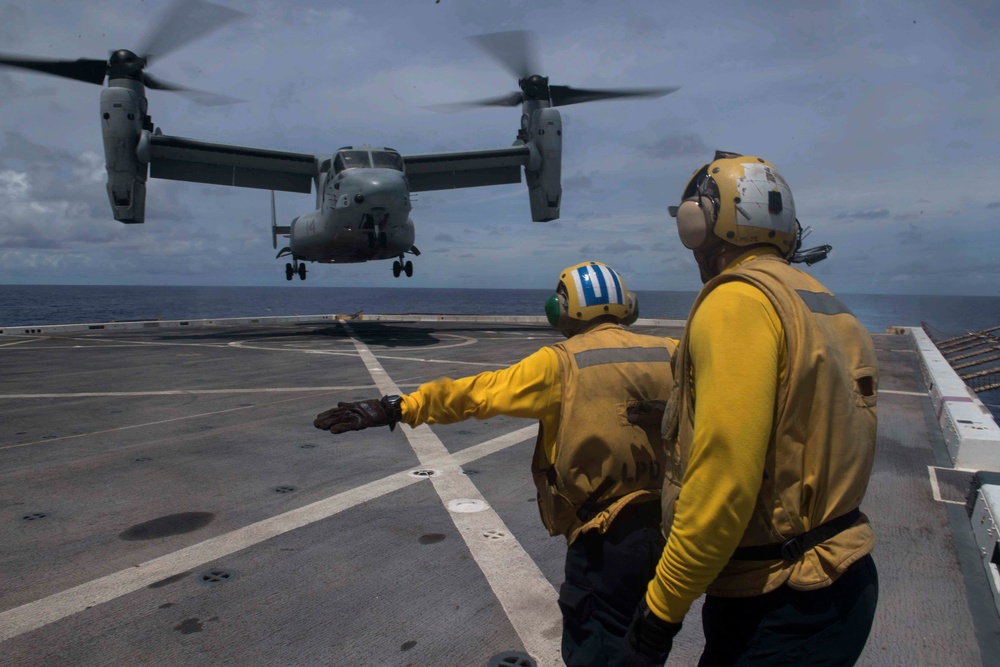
x: 399, y: 267
x: 298, y: 268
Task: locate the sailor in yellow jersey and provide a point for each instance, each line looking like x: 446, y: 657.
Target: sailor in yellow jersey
x: 598, y: 475
x: 771, y: 430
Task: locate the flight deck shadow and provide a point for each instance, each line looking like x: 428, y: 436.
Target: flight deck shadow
x: 370, y: 333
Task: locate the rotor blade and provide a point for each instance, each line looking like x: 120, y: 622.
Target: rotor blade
x: 563, y: 95
x: 184, y: 22
x: 508, y: 100
x: 515, y: 50
x: 202, y: 97
x: 84, y: 69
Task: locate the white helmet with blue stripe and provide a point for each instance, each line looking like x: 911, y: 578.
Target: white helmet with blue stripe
x: 590, y: 290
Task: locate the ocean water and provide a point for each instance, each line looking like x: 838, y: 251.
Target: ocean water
x: 53, y: 304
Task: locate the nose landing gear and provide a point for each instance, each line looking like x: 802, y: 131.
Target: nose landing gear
x: 298, y: 268
x: 399, y: 267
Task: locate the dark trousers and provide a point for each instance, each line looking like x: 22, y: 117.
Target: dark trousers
x: 606, y: 576
x: 827, y: 627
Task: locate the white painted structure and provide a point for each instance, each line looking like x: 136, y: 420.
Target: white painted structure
x: 970, y: 433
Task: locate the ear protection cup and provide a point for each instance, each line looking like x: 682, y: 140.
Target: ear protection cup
x: 555, y: 306
x: 633, y: 315
x: 694, y: 221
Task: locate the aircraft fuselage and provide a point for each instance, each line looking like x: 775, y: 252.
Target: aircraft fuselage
x: 364, y: 214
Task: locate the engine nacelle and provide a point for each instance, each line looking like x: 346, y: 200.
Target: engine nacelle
x: 545, y: 181
x: 121, y: 125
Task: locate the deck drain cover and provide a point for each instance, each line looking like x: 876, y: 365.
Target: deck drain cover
x: 494, y: 534
x: 216, y: 576
x: 512, y: 659
x: 424, y: 472
x: 284, y: 489
x: 34, y: 516
x: 467, y: 505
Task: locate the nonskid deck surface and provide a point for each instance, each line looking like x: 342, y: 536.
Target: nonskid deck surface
x: 165, y: 499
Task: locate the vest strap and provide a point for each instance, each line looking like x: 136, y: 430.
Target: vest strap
x: 794, y: 548
x: 593, y: 506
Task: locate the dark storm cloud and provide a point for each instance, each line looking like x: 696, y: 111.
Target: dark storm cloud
x: 616, y: 247
x: 579, y: 182
x: 869, y: 214
x: 911, y: 235
x: 16, y: 145
x: 678, y: 144
x: 12, y: 24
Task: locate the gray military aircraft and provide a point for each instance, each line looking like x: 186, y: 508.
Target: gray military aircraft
x: 362, y: 192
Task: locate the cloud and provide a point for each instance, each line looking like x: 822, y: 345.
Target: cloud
x: 618, y: 246
x: 911, y: 235
x: 579, y: 181
x: 995, y: 204
x: 678, y: 144
x: 869, y: 214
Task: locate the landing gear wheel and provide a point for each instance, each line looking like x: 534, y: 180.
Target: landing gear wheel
x: 302, y: 271
x: 408, y: 268
x: 289, y: 272
x: 397, y: 268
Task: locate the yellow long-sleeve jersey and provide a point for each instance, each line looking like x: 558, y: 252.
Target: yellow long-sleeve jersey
x: 738, y: 351
x: 531, y: 388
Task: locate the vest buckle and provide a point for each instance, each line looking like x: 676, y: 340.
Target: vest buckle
x: 793, y: 549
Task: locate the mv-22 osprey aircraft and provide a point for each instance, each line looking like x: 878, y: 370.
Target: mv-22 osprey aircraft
x: 362, y: 192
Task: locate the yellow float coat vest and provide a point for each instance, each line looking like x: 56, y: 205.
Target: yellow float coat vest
x: 822, y: 443
x: 602, y: 462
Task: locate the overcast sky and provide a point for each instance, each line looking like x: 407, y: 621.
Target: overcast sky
x: 884, y: 118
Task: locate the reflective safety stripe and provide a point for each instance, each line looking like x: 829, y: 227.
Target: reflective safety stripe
x: 823, y: 303
x: 617, y: 355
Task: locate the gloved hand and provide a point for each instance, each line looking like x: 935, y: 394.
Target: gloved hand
x: 647, y: 414
x: 357, y: 416
x: 649, y: 638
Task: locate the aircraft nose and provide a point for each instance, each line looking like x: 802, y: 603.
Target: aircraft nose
x: 378, y: 189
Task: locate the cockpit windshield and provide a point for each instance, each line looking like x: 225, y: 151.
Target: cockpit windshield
x: 387, y: 160
x: 350, y: 160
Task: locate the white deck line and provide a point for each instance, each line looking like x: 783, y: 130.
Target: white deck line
x: 33, y: 615
x: 526, y: 596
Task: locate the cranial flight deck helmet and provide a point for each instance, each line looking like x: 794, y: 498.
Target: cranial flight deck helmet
x: 744, y: 201
x: 587, y: 291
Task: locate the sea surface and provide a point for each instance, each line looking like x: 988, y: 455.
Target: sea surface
x: 24, y: 305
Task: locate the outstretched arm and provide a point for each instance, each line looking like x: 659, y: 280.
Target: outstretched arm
x: 530, y: 388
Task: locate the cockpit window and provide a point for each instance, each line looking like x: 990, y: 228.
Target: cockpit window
x: 350, y: 160
x: 387, y: 160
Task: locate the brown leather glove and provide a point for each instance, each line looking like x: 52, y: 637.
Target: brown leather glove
x: 358, y: 416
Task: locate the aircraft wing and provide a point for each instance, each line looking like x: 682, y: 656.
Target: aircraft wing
x: 469, y: 169
x: 179, y: 159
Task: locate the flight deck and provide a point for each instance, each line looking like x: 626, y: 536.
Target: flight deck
x: 165, y: 500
